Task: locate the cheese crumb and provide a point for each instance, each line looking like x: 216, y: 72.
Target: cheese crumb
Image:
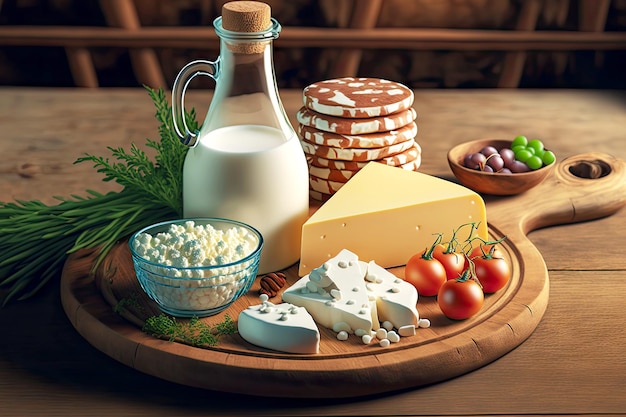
x: 381, y: 333
x: 393, y: 337
x: 342, y: 335
x: 424, y: 323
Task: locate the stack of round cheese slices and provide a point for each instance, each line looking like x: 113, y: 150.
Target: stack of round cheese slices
x: 347, y: 122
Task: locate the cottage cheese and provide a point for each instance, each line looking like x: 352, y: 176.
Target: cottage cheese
x: 194, y: 257
x: 189, y: 247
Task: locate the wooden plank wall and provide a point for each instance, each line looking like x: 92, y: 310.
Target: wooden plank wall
x: 125, y: 30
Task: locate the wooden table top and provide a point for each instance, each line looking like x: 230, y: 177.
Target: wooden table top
x: 572, y: 364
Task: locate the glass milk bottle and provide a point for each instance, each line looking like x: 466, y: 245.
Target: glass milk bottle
x: 246, y: 162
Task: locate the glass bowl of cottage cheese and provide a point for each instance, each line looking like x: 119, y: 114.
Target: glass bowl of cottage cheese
x: 196, y: 267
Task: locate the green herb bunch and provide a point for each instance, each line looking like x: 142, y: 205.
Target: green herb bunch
x: 37, y: 238
x: 193, y: 332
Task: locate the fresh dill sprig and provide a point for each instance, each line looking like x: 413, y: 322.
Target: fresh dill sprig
x: 37, y: 238
x: 194, y: 332
x: 228, y: 326
x: 161, y: 180
x: 132, y: 301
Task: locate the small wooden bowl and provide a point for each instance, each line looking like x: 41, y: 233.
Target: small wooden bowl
x: 492, y: 183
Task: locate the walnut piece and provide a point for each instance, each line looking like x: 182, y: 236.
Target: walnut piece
x: 271, y: 283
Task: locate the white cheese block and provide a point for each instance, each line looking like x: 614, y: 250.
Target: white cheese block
x: 374, y: 295
x: 388, y: 214
x: 335, y: 294
x: 396, y: 299
x: 283, y: 327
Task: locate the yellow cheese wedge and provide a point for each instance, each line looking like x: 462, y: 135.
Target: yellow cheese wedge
x: 386, y: 214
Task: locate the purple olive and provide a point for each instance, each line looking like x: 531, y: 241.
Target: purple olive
x: 495, y: 161
x: 518, y: 166
x: 488, y: 150
x: 505, y: 171
x: 474, y: 161
x: 487, y: 168
x: 508, y: 156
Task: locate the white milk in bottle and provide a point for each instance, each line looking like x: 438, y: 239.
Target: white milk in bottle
x: 246, y: 162
x: 251, y: 174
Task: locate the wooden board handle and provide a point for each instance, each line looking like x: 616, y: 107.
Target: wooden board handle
x: 582, y: 187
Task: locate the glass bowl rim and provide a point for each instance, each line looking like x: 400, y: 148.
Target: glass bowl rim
x: 255, y: 253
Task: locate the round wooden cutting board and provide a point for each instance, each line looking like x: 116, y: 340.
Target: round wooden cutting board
x: 581, y: 188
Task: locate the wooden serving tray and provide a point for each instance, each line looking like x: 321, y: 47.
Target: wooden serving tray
x: 581, y: 188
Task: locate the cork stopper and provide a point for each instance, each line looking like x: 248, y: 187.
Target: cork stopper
x: 246, y: 16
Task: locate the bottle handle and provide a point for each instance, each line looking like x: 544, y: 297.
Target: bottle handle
x: 184, y: 77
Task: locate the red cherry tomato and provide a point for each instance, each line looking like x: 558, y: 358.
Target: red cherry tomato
x: 492, y: 273
x: 425, y: 274
x: 460, y: 298
x: 453, y: 262
x: 486, y: 250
